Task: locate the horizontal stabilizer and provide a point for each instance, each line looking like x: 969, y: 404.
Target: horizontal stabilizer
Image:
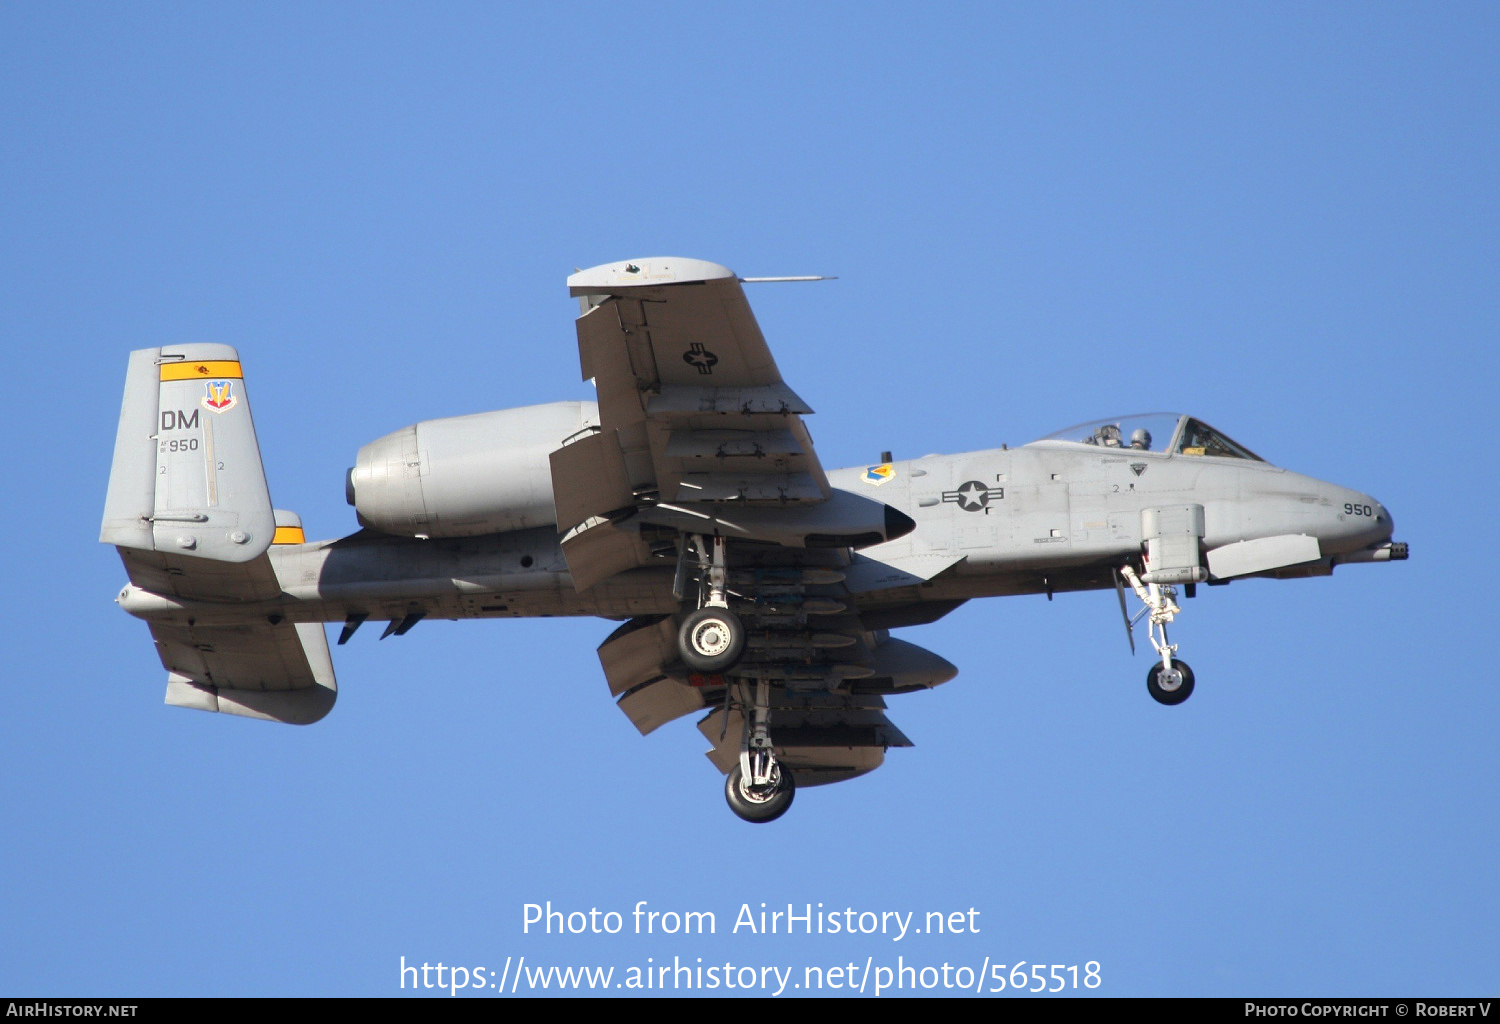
x: 278, y: 673
x: 200, y: 579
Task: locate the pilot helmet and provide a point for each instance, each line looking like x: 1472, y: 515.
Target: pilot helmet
x: 1140, y: 437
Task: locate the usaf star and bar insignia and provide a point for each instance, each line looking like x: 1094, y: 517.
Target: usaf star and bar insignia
x: 974, y: 496
x: 701, y: 358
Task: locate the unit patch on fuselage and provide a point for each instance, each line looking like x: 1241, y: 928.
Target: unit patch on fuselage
x: 881, y: 474
x: 974, y: 496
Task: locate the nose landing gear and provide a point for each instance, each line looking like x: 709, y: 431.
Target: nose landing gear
x: 1169, y: 681
x: 1170, y: 686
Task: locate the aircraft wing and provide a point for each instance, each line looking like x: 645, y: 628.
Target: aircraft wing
x: 692, y: 409
x: 699, y: 435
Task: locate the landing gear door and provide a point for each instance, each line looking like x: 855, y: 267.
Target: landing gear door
x: 1174, y: 539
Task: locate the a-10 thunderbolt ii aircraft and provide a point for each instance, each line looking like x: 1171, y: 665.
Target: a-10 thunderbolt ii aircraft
x: 688, y: 505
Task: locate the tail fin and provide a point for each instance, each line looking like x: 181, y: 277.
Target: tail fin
x: 189, y: 511
x: 187, y: 476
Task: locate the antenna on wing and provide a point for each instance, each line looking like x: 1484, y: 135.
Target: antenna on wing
x: 772, y: 280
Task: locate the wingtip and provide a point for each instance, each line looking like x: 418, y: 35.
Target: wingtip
x: 646, y: 272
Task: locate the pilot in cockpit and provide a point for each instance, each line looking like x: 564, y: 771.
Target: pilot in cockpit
x: 1140, y: 439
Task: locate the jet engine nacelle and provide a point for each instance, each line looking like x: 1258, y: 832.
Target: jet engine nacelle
x: 465, y: 475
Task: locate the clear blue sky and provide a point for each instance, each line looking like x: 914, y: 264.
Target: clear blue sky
x: 1281, y: 217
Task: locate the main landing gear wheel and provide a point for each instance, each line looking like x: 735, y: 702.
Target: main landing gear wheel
x: 760, y: 803
x: 711, y: 640
x: 1170, y: 688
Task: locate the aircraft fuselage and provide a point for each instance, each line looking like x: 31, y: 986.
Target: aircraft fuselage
x: 1046, y: 517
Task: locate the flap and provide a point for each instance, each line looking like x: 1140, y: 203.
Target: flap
x: 589, y: 479
x: 654, y: 704
x: 598, y: 549
x: 636, y: 652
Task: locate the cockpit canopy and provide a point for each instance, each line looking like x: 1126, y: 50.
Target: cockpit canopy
x: 1168, y: 432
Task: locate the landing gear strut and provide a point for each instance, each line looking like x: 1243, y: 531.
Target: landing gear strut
x: 712, y: 638
x: 759, y: 788
x: 1169, y: 681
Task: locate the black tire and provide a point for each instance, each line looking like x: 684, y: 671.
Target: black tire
x: 760, y: 807
x: 711, y: 640
x: 1170, y: 697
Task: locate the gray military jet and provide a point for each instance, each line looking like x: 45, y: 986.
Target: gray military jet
x: 687, y: 504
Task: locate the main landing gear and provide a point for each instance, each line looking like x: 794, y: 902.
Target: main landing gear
x: 1169, y: 681
x: 759, y: 803
x: 711, y: 640
x: 759, y: 788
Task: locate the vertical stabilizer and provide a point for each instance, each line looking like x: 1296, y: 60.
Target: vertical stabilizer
x: 187, y: 476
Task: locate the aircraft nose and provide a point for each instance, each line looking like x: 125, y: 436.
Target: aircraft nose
x: 1362, y: 521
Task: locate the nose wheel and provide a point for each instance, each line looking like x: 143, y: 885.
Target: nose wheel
x: 1170, y: 685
